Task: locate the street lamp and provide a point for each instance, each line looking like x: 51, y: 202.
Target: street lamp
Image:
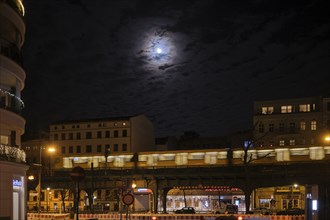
x: 48, y: 195
x: 327, y: 138
x: 51, y: 149
x: 295, y: 185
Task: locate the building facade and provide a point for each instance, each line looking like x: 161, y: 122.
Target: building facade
x: 12, y: 124
x: 290, y: 122
x: 82, y: 142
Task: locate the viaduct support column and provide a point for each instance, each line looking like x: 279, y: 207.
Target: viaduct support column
x: 165, y: 191
x: 323, y: 201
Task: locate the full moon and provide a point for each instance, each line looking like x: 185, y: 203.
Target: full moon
x: 159, y: 50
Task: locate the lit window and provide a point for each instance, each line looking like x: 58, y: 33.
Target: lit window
x: 267, y: 110
x: 292, y: 142
x: 302, y: 125
x: 305, y: 108
x: 286, y: 108
x: 282, y: 143
x: 313, y: 125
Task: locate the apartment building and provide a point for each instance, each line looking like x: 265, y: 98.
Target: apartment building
x: 12, y: 124
x: 82, y: 142
x: 290, y: 122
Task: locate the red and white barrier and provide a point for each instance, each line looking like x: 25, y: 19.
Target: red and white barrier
x: 108, y: 216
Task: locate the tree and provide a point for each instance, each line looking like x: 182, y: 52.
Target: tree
x: 64, y: 193
x: 248, y: 159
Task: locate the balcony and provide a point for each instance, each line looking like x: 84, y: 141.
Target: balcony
x: 10, y: 51
x: 13, y: 154
x: 10, y: 102
x: 16, y: 5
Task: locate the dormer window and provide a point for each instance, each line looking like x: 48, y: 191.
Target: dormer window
x: 267, y: 110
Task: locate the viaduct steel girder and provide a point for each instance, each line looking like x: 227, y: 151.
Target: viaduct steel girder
x: 235, y: 176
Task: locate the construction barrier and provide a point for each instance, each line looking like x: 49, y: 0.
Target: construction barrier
x: 108, y: 216
x: 41, y: 216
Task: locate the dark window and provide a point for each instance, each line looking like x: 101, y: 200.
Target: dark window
x: 99, y: 134
x: 115, y: 133
x: 328, y: 124
x: 115, y: 147
x: 78, y: 149
x: 281, y: 128
x: 261, y: 128
x: 70, y: 149
x: 88, y: 148
x: 70, y: 136
x: 124, y: 133
x: 328, y: 106
x: 107, y: 134
x: 63, y: 150
x: 78, y: 126
x: 271, y: 127
x: 63, y: 136
x: 78, y: 136
x: 124, y: 147
x: 99, y: 148
x: 88, y: 135
x: 56, y: 137
x: 107, y: 150
x: 292, y: 127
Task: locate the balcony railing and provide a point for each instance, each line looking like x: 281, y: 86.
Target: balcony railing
x: 10, y: 153
x: 11, y: 102
x: 10, y: 50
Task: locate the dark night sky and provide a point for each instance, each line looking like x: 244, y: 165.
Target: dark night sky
x: 90, y: 59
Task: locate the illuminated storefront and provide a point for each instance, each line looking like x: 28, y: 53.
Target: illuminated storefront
x: 12, y: 190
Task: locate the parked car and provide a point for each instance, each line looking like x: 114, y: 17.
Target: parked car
x: 261, y: 211
x: 293, y: 211
x: 227, y: 209
x: 185, y: 210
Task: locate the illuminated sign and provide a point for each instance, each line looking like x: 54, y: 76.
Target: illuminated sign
x: 17, y: 183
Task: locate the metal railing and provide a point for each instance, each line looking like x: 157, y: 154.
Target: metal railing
x: 10, y: 153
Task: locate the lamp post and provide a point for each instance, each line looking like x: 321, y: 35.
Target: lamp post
x: 292, y: 187
x: 48, y: 194
x: 51, y: 149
